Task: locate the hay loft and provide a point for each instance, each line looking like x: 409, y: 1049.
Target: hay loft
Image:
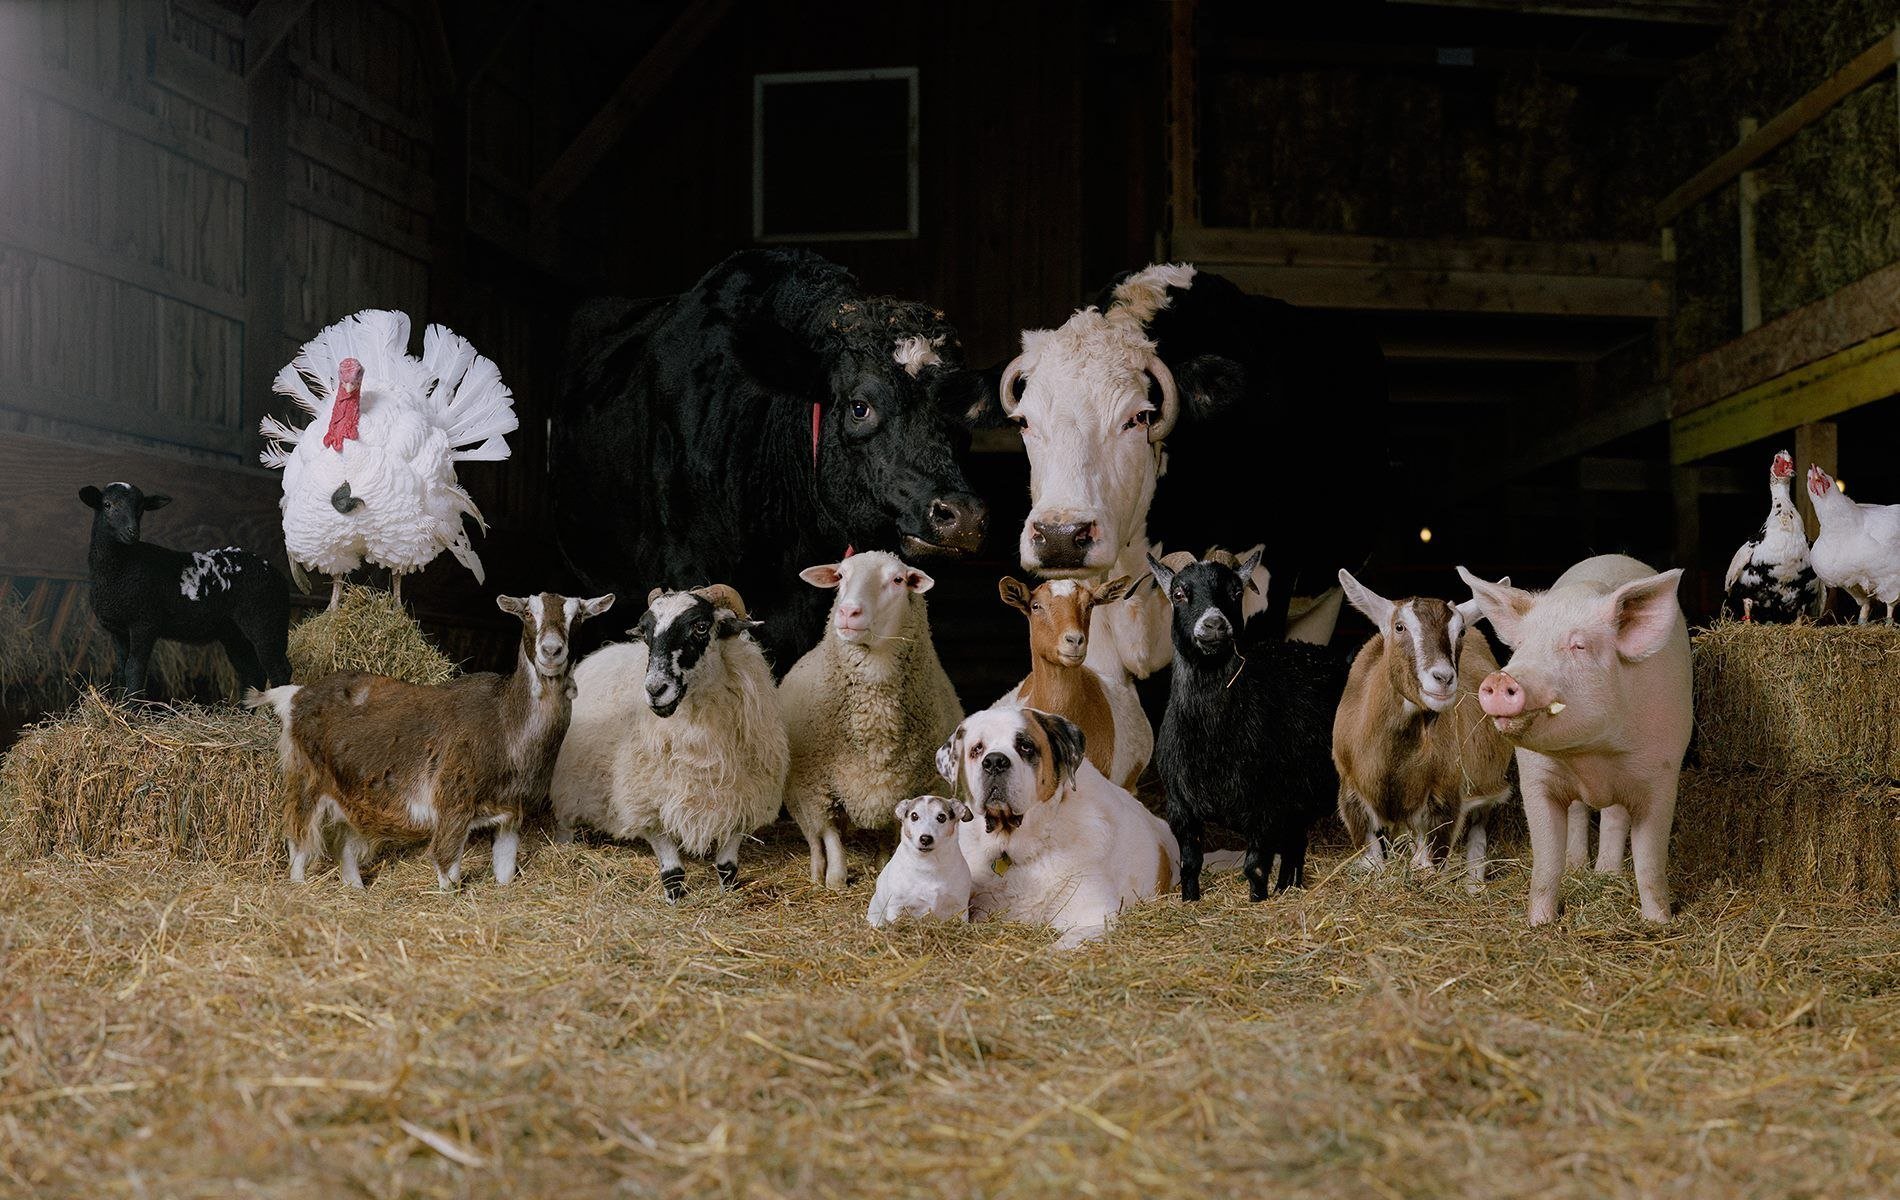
x: 368, y: 631
x: 103, y: 779
x: 1798, y: 699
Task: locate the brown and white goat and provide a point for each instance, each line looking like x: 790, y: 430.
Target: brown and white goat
x: 1060, y: 683
x: 1411, y: 744
x: 396, y: 762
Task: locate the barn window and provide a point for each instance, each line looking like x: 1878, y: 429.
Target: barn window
x: 834, y: 155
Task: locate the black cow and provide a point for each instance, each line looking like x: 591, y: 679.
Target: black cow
x: 764, y: 421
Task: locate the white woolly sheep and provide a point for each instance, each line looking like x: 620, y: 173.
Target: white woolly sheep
x: 677, y: 736
x: 866, y: 708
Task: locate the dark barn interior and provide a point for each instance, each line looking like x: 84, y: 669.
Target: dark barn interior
x: 1502, y: 193
x: 1614, y: 254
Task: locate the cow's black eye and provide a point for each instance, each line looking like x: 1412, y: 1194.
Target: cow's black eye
x: 860, y: 411
x: 1142, y: 420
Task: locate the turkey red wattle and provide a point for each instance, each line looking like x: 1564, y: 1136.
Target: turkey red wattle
x: 348, y: 409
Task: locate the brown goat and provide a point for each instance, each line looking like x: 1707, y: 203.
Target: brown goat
x: 1411, y: 745
x: 395, y: 762
x: 1058, y: 612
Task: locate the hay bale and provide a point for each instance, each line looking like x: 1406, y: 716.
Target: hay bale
x: 102, y: 779
x: 26, y: 661
x: 1806, y: 835
x: 367, y: 631
x: 1798, y: 699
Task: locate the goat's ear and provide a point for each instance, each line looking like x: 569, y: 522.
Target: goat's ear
x: 1249, y: 565
x: 516, y: 605
x: 827, y: 576
x: 917, y: 581
x: 1115, y: 589
x: 1503, y: 605
x: 1376, y: 608
x: 90, y: 496
x: 1067, y: 744
x: 950, y: 757
x: 152, y: 502
x: 1014, y: 592
x: 1163, y: 577
x: 596, y: 606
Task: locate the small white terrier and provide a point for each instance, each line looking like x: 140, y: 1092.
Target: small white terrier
x: 928, y: 876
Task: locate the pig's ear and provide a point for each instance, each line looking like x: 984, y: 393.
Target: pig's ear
x: 1644, y: 613
x: 1503, y: 605
x: 1377, y: 608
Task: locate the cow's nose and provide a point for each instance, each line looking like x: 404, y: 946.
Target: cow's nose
x: 996, y: 763
x: 1063, y: 544
x: 1501, y: 696
x: 957, y: 521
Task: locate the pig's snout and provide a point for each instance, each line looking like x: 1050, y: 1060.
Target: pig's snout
x: 1501, y: 696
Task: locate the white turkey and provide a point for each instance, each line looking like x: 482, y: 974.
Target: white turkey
x: 1859, y: 545
x: 371, y: 478
x: 1769, y: 579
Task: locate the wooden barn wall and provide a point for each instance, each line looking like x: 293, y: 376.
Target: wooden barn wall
x: 137, y: 316
x: 1826, y: 216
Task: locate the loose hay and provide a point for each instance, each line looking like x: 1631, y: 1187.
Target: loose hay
x: 173, y: 1028
x: 1799, y: 699
x: 1805, y: 835
x: 367, y: 631
x: 101, y: 780
x: 26, y: 661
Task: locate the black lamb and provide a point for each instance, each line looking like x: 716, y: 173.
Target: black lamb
x: 1247, y: 740
x: 143, y: 592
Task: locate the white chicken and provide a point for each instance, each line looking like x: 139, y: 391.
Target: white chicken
x: 1769, y: 578
x: 379, y: 484
x: 1859, y: 546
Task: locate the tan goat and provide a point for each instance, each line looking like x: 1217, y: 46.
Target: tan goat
x: 1058, y: 612
x: 1412, y: 747
x: 395, y: 762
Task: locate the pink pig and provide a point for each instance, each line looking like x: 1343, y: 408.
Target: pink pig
x: 1596, y: 700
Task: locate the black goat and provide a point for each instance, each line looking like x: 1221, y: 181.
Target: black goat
x: 1247, y: 739
x: 143, y: 592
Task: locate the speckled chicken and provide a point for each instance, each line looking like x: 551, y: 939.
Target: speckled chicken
x: 1770, y: 578
x: 379, y: 485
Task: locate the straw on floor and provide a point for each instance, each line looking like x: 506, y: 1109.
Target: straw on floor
x: 185, y: 1030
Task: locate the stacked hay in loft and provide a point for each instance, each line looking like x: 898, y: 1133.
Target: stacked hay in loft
x: 102, y: 779
x: 198, y: 782
x: 367, y: 631
x: 1797, y: 783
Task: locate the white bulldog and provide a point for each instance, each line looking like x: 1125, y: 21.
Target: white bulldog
x: 1079, y: 847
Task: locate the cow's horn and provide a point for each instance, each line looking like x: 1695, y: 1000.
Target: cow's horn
x: 1006, y: 390
x: 1170, y: 399
x: 721, y: 595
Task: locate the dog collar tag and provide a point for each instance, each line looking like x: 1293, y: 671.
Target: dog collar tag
x: 1002, y: 864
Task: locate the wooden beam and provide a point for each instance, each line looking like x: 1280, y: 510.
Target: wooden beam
x: 266, y: 28
x: 1300, y: 248
x: 1378, y: 288
x: 1282, y: 52
x: 266, y: 239
x: 1184, y: 212
x: 1750, y: 196
x: 1636, y: 412
x: 1865, y: 66
x: 1714, y: 14
x: 1817, y: 444
x: 1864, y: 309
x: 685, y: 35
x: 1855, y: 376
x: 1649, y: 475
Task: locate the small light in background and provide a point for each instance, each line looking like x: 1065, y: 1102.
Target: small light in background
x: 1840, y: 485
x: 1425, y: 534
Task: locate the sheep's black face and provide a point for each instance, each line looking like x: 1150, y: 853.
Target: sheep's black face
x: 120, y: 507
x: 680, y: 629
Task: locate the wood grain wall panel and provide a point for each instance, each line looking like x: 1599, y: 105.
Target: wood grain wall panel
x: 333, y: 271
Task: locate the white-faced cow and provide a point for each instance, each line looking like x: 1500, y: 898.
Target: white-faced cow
x: 1181, y: 411
x: 770, y: 417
